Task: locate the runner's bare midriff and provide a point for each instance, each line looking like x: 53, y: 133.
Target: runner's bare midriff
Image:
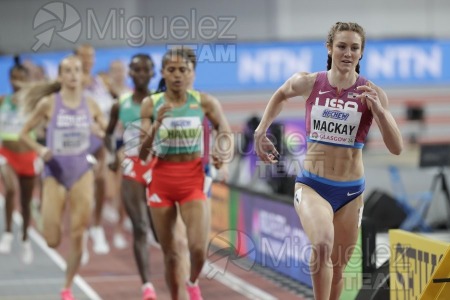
x: 16, y: 146
x: 333, y: 162
x: 185, y: 157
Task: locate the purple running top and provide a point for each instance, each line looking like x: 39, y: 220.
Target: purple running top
x: 68, y: 137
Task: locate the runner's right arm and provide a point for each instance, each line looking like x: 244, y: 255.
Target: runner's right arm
x: 40, y: 114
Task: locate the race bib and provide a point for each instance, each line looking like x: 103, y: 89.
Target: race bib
x: 71, y: 141
x: 333, y: 125
x: 181, y: 132
x: 11, y: 122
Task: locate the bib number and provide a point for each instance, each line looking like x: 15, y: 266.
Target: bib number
x: 334, y: 126
x: 71, y: 142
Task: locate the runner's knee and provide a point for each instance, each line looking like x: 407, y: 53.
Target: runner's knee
x: 181, y: 243
x: 140, y: 229
x: 10, y: 191
x: 171, y: 258
x: 322, y: 249
x: 52, y: 235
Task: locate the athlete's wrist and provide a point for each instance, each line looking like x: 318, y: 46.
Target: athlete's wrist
x: 259, y: 132
x: 380, y: 113
x: 44, y: 153
x: 40, y: 150
x: 156, y: 124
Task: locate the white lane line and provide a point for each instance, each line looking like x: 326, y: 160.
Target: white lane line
x: 56, y: 258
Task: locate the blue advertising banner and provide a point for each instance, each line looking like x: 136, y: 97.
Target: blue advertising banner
x: 277, y: 236
x: 246, y: 67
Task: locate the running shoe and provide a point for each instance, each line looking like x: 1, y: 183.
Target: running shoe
x: 66, y: 294
x: 27, y: 253
x: 148, y: 292
x: 194, y: 291
x: 98, y: 237
x: 120, y: 242
x: 6, y: 242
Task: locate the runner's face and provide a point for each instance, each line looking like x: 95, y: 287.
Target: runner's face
x: 70, y: 73
x: 141, y: 71
x: 117, y: 72
x: 87, y: 57
x: 346, y: 50
x: 176, y: 74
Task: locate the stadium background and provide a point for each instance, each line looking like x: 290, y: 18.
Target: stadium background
x: 246, y: 50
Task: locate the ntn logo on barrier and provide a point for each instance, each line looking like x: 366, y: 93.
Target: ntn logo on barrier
x: 401, y: 61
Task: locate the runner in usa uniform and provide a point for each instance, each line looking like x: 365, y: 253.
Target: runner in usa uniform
x: 340, y: 107
x: 70, y: 118
x: 330, y: 120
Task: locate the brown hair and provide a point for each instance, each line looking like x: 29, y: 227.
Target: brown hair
x: 190, y: 54
x: 17, y: 66
x: 35, y: 92
x: 30, y: 96
x: 345, y: 26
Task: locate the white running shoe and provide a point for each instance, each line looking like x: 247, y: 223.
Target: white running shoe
x: 151, y: 241
x: 6, y: 242
x: 2, y: 202
x: 128, y: 225
x: 85, y: 251
x: 27, y: 253
x: 98, y: 237
x: 120, y: 242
